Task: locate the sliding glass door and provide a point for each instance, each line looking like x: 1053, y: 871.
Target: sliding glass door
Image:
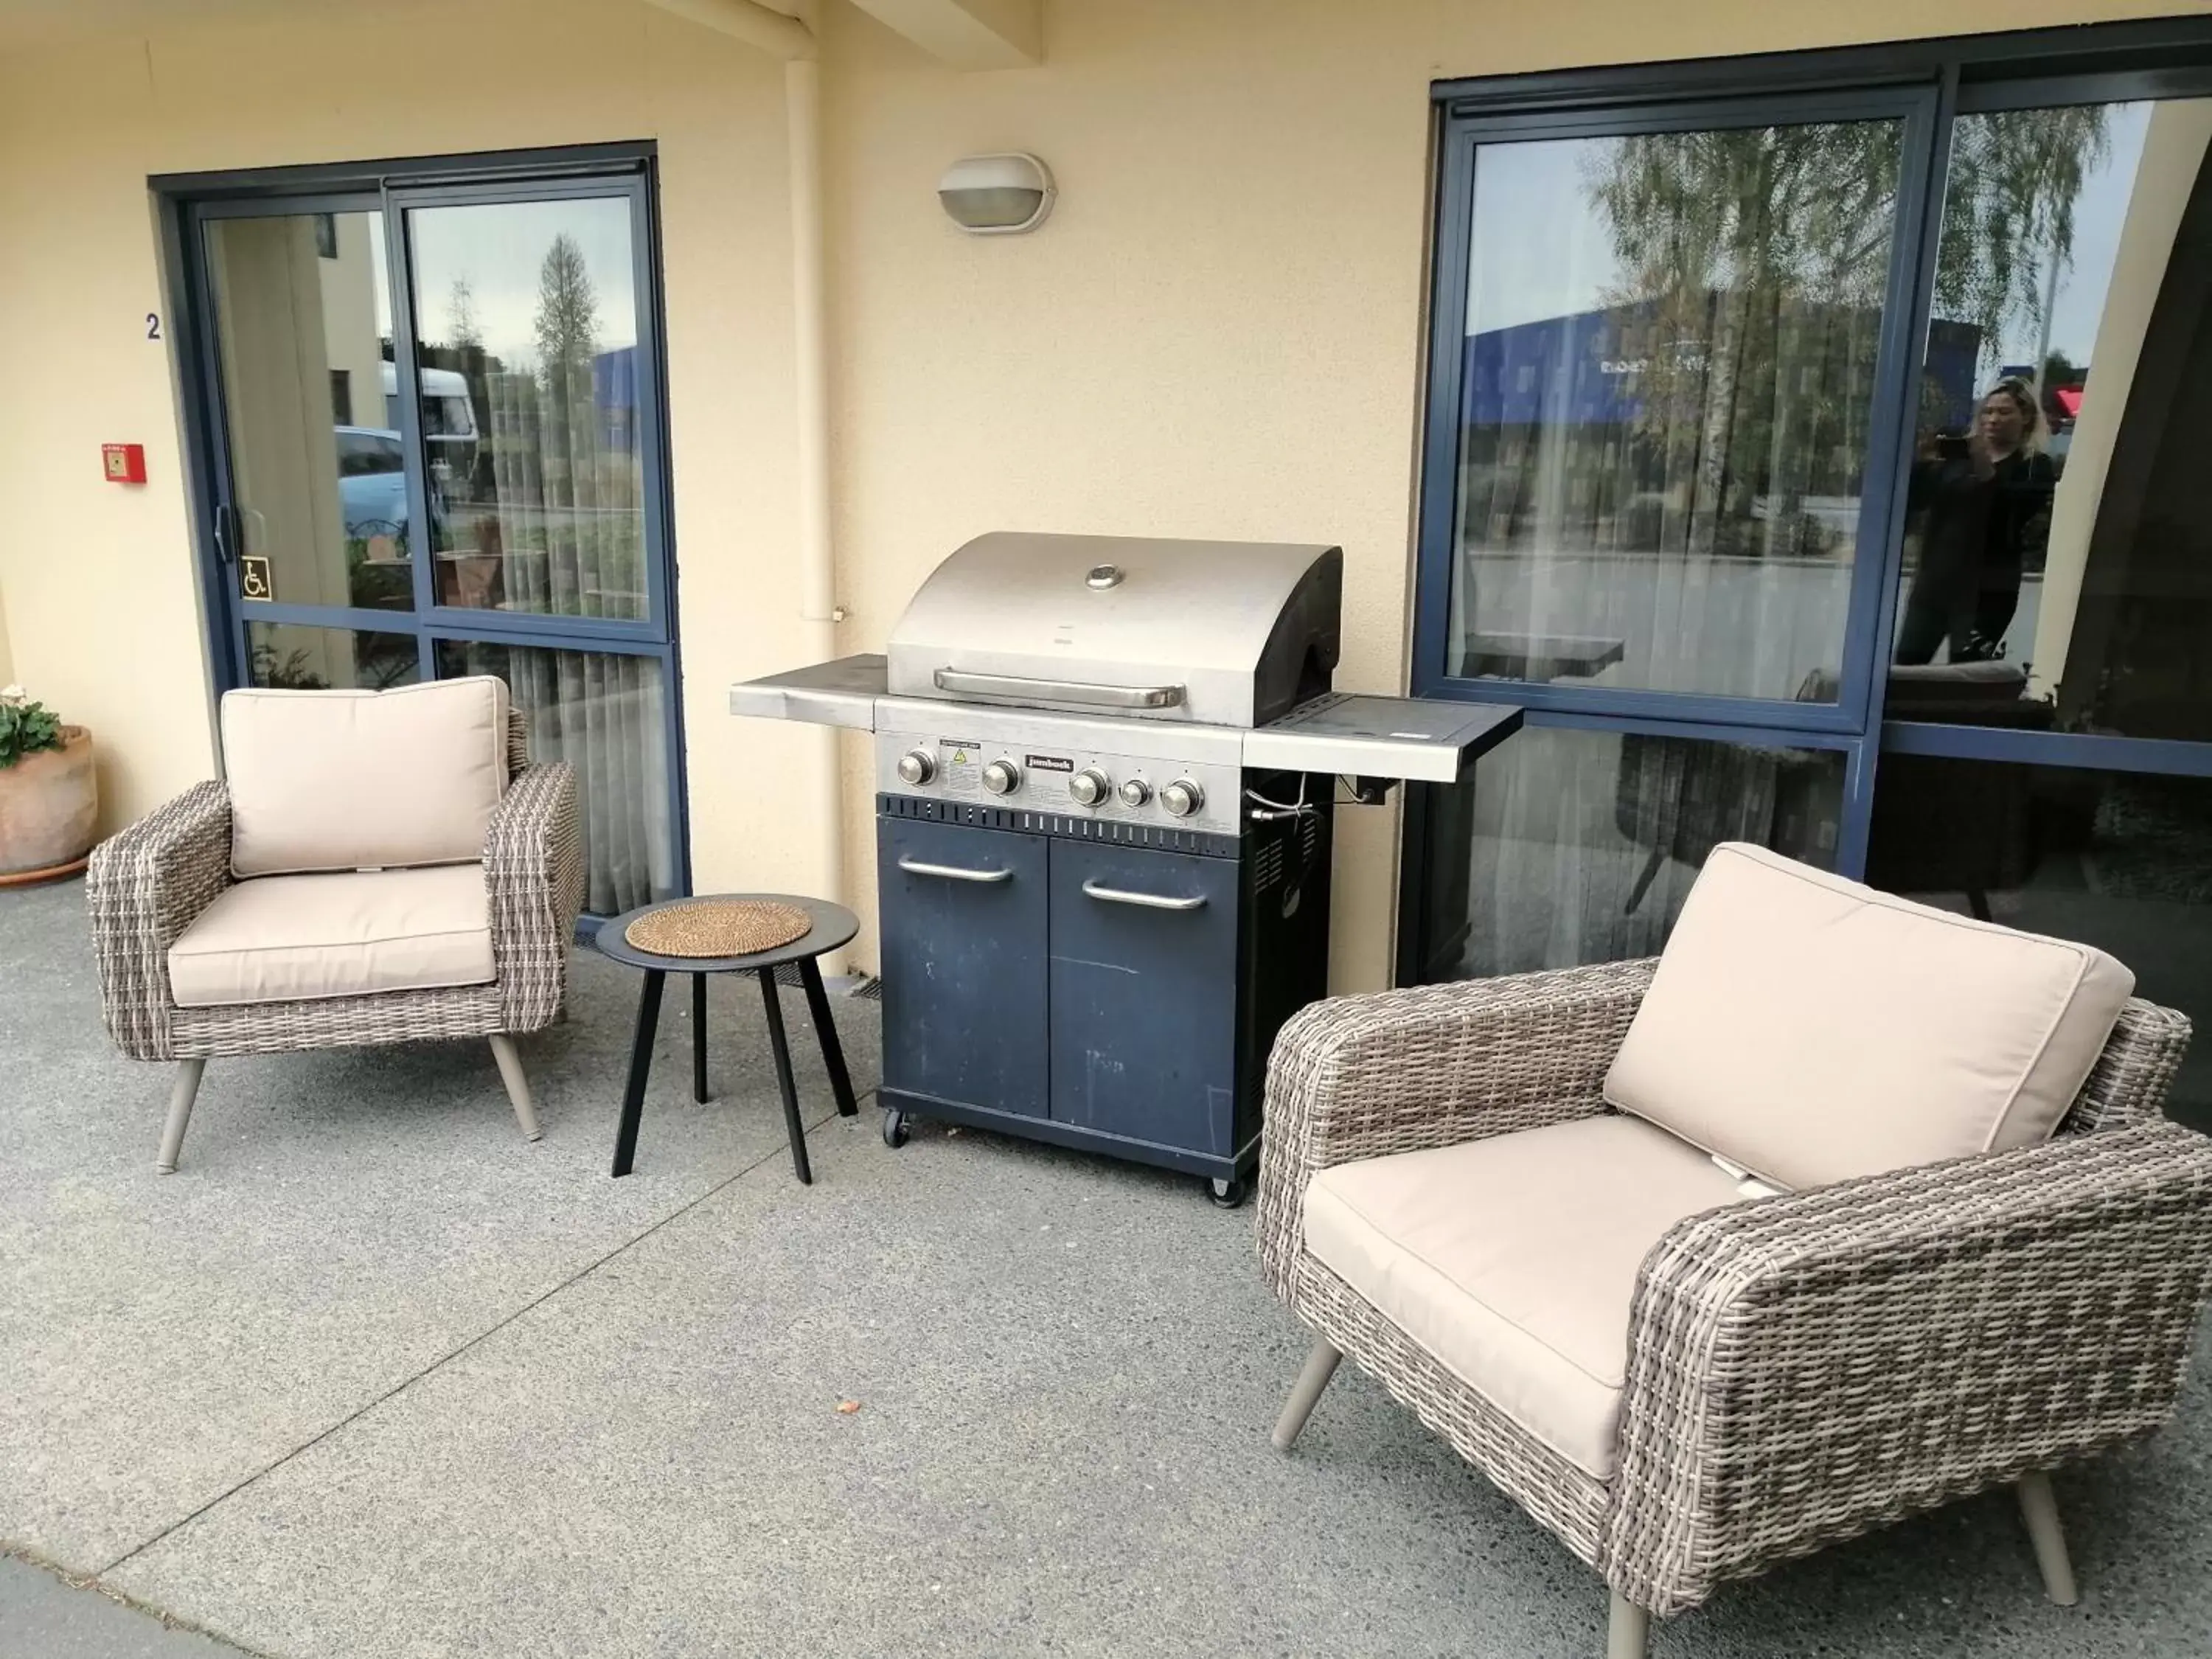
x: 427, y: 408
x: 1818, y: 467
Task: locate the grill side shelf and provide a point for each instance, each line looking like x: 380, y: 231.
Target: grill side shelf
x: 1064, y: 826
x: 1355, y: 735
x: 839, y: 692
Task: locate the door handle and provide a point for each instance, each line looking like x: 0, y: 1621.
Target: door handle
x: 1149, y: 901
x: 953, y: 871
x: 226, y: 533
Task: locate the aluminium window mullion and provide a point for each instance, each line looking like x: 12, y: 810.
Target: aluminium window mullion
x: 2148, y: 47
x: 1921, y: 238
x: 497, y: 627
x: 1437, y: 529
x: 2090, y: 750
x: 651, y: 433
x: 2182, y: 79
x: 1896, y: 375
x: 235, y: 666
x: 1831, y: 105
x: 423, y: 530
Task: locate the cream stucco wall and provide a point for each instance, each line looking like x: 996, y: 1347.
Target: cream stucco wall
x: 1217, y: 334
x: 99, y: 578
x: 1219, y: 331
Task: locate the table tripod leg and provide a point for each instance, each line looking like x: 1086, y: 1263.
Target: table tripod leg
x: 826, y: 1028
x: 699, y: 1038
x: 640, y: 1067
x: 780, y: 1046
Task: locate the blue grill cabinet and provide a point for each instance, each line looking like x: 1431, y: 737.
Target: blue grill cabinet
x: 1093, y: 984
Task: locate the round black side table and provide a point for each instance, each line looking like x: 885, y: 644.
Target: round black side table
x: 834, y: 925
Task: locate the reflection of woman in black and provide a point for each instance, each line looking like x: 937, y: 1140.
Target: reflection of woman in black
x: 1983, y: 505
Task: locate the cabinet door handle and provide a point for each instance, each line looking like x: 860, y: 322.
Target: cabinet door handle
x: 1149, y: 901
x: 952, y: 871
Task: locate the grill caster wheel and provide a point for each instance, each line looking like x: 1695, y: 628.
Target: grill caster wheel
x: 1228, y: 1194
x: 895, y: 1127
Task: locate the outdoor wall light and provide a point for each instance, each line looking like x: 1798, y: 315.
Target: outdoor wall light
x: 996, y: 195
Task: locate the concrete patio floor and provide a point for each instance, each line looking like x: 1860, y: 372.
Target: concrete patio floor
x: 372, y: 1376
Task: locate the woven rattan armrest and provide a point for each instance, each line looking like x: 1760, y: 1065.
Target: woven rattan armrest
x: 143, y: 887
x: 1803, y: 1368
x: 534, y: 882
x: 1432, y: 1065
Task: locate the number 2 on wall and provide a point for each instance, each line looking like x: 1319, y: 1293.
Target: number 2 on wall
x: 152, y: 326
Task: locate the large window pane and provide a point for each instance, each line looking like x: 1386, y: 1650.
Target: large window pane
x: 294, y: 659
x: 602, y: 713
x: 1572, y: 846
x: 2120, y: 860
x: 1668, y: 375
x: 2058, y: 556
x: 527, y: 318
x: 303, y: 322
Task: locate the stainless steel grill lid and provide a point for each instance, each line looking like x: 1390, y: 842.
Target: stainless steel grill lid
x: 1219, y: 633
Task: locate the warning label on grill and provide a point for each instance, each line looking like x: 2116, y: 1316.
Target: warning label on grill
x: 1048, y: 763
x: 960, y: 763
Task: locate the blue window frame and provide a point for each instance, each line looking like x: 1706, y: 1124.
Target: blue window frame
x: 1489, y: 323
x: 500, y: 479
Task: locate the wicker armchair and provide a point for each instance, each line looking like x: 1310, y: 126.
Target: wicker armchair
x: 1800, y: 1368
x: 148, y: 886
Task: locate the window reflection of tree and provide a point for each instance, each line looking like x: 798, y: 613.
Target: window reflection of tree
x: 1762, y: 256
x: 1757, y: 259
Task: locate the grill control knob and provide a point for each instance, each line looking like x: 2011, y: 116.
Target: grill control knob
x: 916, y: 766
x: 1182, y: 798
x: 1135, y: 792
x: 1089, y: 786
x: 1002, y: 777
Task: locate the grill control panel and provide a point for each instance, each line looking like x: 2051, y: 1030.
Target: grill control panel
x: 1073, y: 783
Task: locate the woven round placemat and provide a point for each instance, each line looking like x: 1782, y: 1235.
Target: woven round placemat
x: 718, y: 927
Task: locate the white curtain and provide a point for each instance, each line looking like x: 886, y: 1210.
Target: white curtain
x: 560, y: 530
x: 1572, y: 845
x: 563, y: 515
x: 602, y: 712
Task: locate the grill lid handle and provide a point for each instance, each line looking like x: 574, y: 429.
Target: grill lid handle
x: 1014, y: 688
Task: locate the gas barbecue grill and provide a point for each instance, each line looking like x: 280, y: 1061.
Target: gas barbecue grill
x: 1105, y: 774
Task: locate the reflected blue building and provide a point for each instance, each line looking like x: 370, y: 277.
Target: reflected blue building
x: 1586, y: 369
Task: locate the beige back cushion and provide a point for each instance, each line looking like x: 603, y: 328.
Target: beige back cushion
x: 364, y: 780
x: 1812, y: 1030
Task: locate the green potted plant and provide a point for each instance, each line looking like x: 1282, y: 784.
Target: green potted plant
x: 49, y: 798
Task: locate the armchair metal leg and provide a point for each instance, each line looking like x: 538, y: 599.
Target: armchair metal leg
x: 181, y: 1096
x: 1320, y: 1366
x: 1627, y: 1630
x: 2040, y: 1510
x: 518, y: 1085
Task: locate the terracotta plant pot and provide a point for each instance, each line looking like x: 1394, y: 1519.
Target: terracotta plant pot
x: 49, y: 802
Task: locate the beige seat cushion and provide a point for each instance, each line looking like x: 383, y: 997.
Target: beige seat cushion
x: 1513, y: 1261
x: 1813, y: 1029
x: 364, y: 780
x: 288, y: 939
